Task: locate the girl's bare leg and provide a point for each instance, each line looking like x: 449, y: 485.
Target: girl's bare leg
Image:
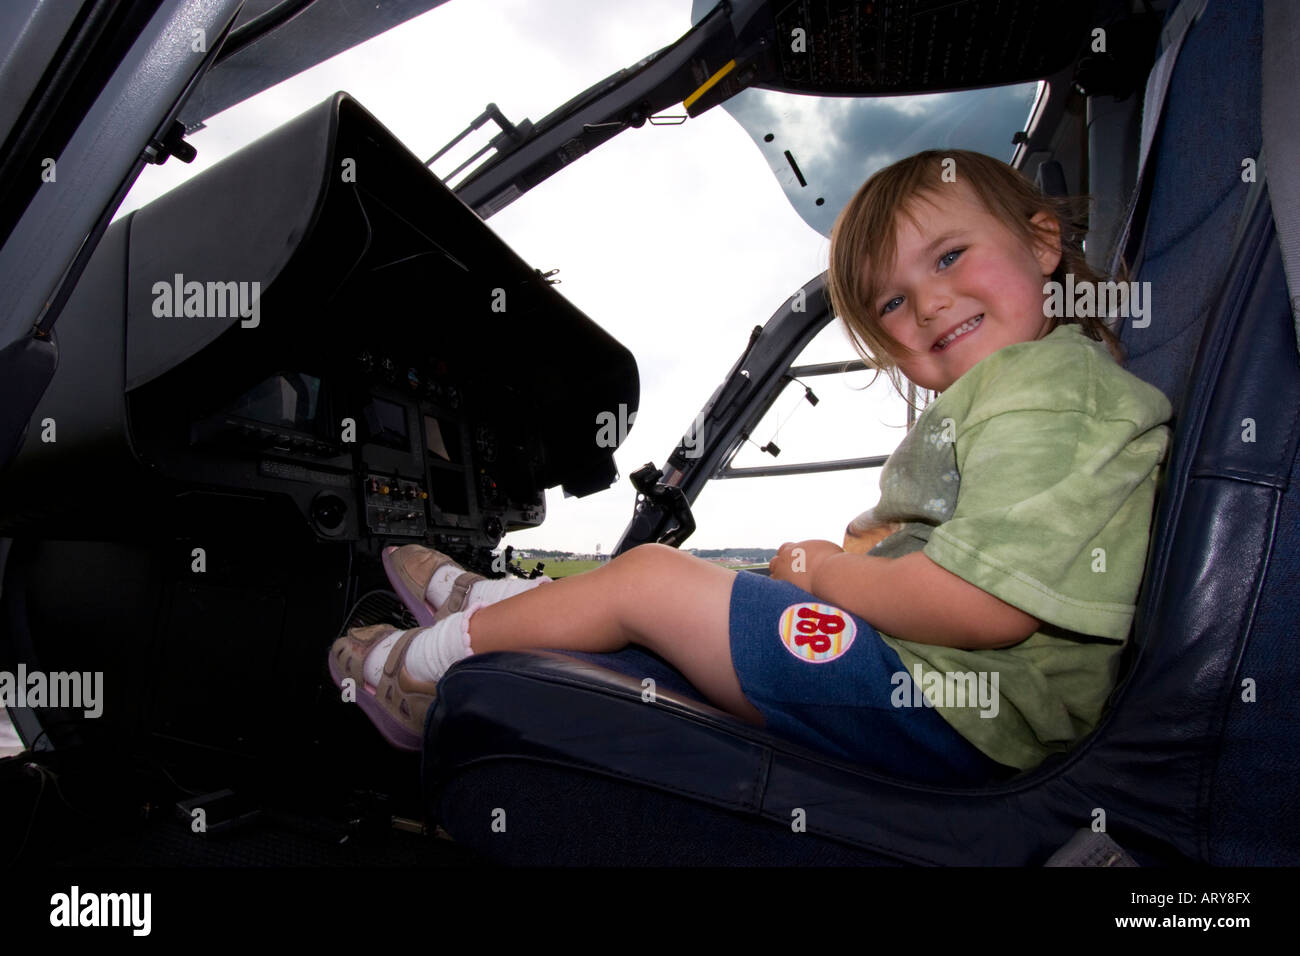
x: 667, y: 600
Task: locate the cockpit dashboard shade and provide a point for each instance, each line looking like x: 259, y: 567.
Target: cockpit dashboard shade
x: 319, y: 314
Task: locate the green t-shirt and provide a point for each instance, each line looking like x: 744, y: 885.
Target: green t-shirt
x: 1032, y: 477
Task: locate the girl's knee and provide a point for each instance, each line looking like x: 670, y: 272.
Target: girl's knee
x: 650, y: 554
x: 669, y: 566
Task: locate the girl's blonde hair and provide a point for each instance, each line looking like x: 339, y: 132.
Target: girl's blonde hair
x: 864, y: 241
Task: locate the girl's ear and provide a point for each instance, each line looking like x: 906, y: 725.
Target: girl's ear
x: 1046, y: 250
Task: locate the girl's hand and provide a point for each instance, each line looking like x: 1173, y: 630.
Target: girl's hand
x: 796, y: 561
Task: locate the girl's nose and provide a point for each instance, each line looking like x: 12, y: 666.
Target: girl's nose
x: 936, y: 303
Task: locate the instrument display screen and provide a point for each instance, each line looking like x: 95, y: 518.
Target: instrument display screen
x: 290, y: 400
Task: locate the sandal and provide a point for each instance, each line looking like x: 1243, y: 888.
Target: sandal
x: 411, y: 567
x: 399, y: 710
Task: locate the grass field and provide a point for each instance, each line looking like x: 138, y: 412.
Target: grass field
x: 556, y: 568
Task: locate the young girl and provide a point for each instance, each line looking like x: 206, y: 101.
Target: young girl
x: 982, y: 630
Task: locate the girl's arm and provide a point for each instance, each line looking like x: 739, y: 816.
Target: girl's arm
x: 914, y: 599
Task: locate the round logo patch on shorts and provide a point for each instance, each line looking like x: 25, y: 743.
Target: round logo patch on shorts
x: 816, y: 633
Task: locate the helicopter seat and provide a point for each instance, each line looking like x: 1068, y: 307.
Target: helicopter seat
x: 555, y: 757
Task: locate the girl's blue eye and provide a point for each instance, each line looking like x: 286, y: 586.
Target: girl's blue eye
x: 943, y: 264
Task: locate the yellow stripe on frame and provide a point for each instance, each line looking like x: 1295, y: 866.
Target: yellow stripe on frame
x: 709, y: 84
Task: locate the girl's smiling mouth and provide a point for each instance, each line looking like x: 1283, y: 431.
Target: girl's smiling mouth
x: 968, y: 326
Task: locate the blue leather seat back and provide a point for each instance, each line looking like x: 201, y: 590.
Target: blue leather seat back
x: 1253, y: 790
x: 1209, y: 703
x: 1210, y: 124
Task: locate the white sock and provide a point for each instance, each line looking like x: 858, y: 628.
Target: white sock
x: 484, y: 592
x: 436, y: 648
x: 431, y: 653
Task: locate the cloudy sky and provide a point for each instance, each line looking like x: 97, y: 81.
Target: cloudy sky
x: 676, y: 239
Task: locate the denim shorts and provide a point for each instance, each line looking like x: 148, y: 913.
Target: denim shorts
x: 823, y: 678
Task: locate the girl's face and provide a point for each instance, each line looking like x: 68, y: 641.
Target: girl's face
x: 962, y: 287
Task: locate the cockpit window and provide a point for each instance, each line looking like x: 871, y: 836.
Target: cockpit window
x: 822, y: 148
